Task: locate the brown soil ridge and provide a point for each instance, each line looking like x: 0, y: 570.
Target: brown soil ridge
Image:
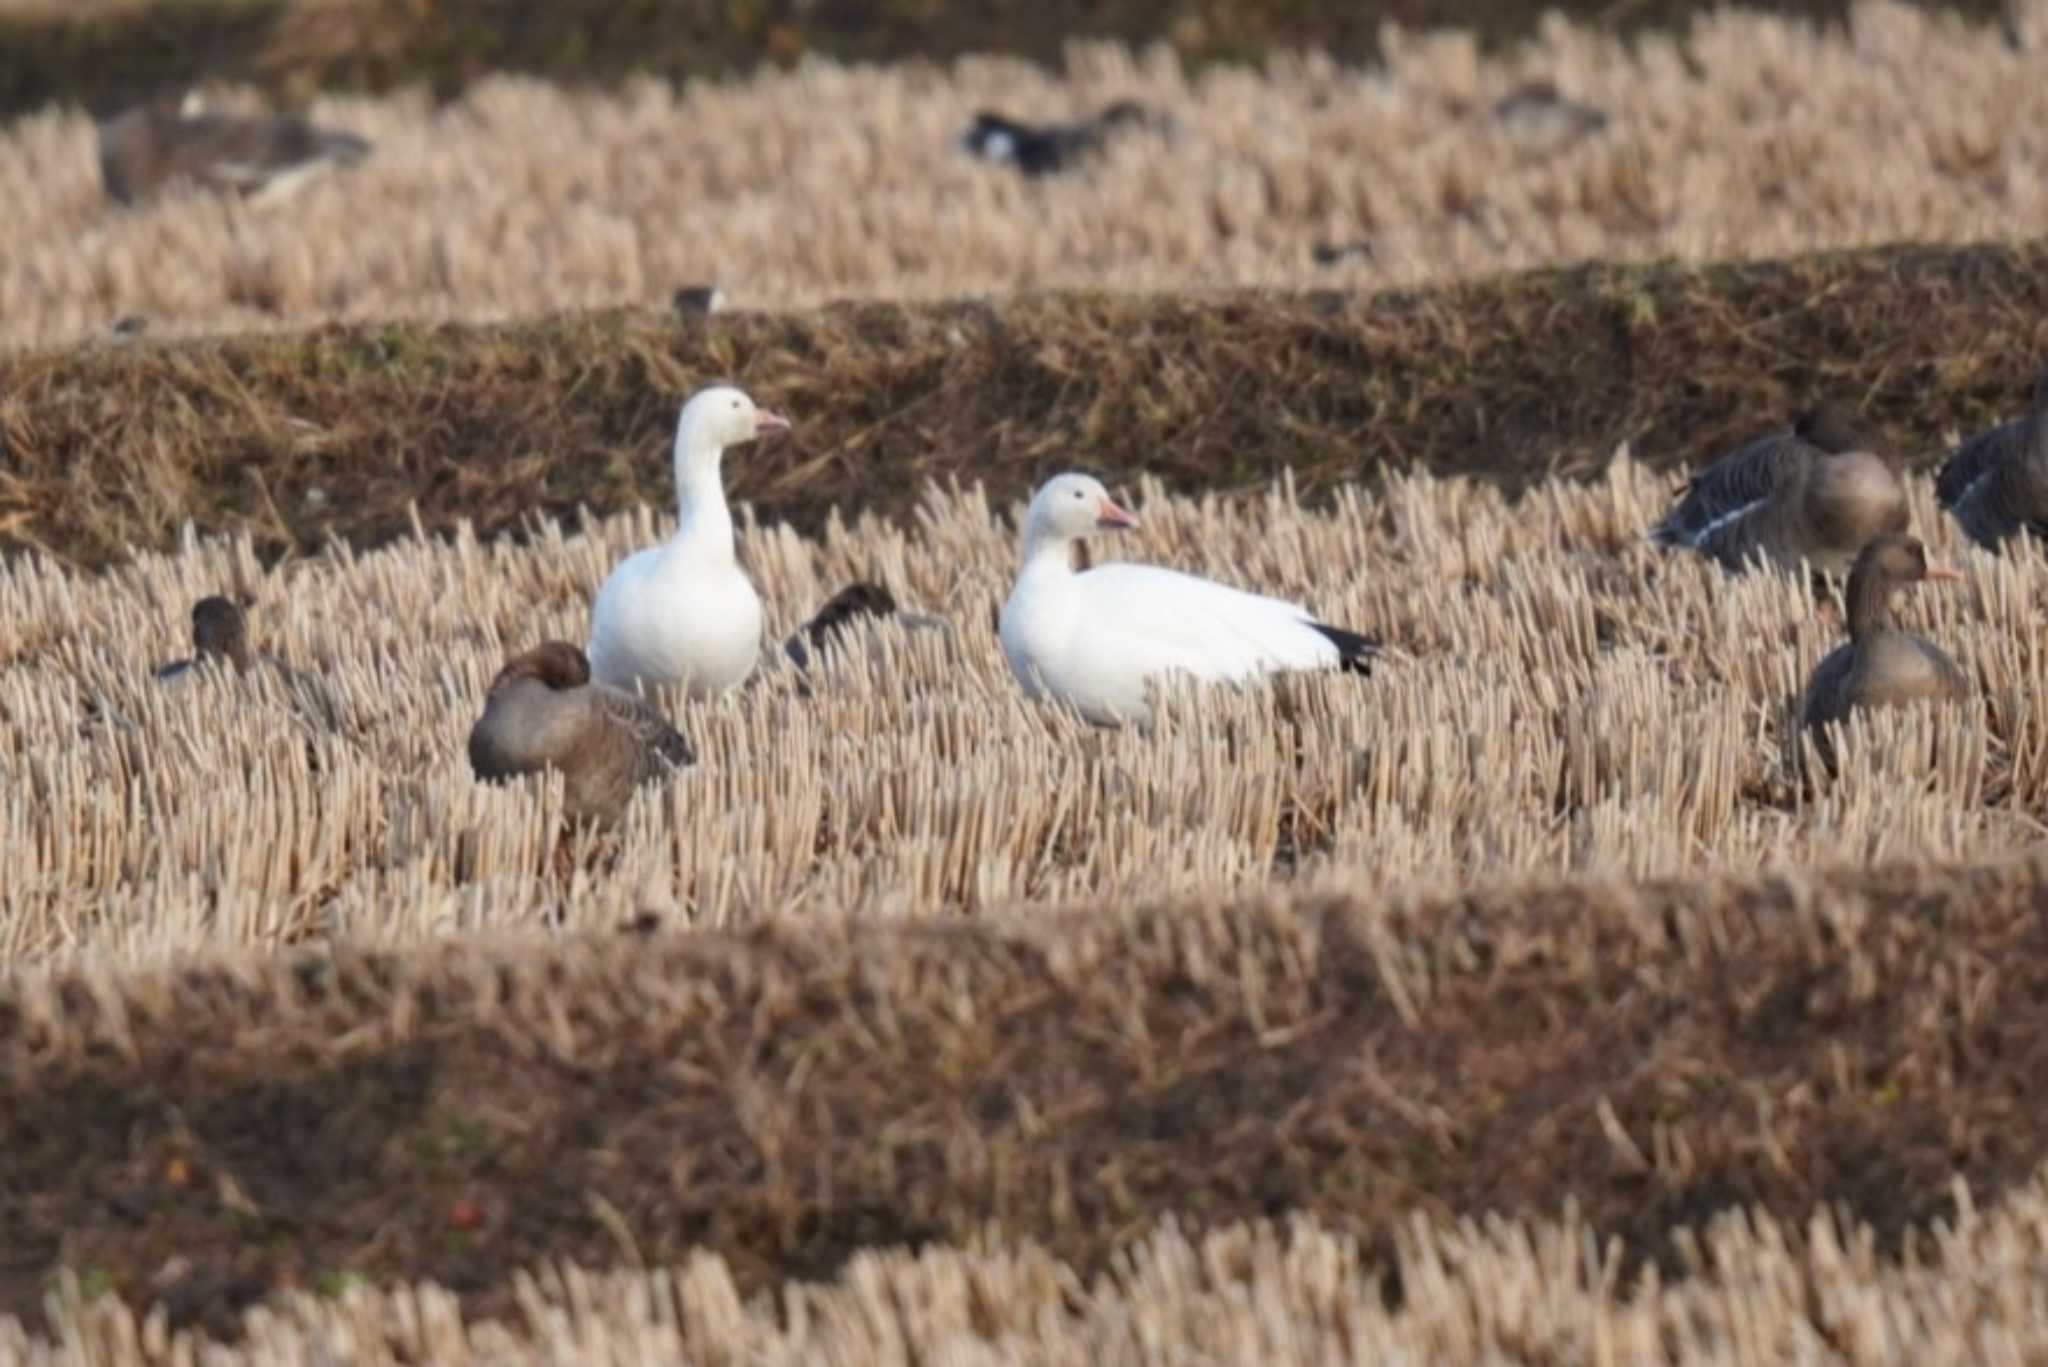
x: 362, y: 433
x: 1849, y: 1040
x: 107, y: 55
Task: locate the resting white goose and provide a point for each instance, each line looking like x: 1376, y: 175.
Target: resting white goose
x: 1095, y: 639
x: 683, y: 612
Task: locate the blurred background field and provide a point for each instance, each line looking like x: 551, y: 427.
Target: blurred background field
x: 1749, y: 137
x: 98, y: 52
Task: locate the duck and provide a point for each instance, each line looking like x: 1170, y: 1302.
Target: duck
x: 1815, y: 492
x: 1040, y: 150
x: 857, y: 600
x: 147, y: 148
x: 1094, y: 639
x: 1879, y: 665
x: 684, y: 613
x: 219, y: 633
x: 544, y: 711
x: 220, y: 638
x: 1996, y: 484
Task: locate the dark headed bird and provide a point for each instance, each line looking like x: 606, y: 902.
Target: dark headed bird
x: 219, y: 633
x: 1996, y: 483
x: 1817, y: 491
x: 1044, y: 150
x: 841, y: 612
x: 1879, y: 665
x: 543, y: 712
x: 147, y: 148
x: 698, y: 301
x: 220, y: 636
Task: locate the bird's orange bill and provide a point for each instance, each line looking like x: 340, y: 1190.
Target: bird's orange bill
x: 766, y: 423
x: 1110, y: 515
x: 1944, y: 572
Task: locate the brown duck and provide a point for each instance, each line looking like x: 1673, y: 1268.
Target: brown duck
x: 543, y: 711
x: 1996, y: 483
x: 1816, y: 491
x: 1879, y: 665
x: 219, y: 633
x: 220, y: 636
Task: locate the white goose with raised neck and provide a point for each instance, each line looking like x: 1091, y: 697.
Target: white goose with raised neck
x: 683, y: 612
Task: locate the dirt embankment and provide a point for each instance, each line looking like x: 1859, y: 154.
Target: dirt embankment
x: 205, y: 1134
x: 344, y: 432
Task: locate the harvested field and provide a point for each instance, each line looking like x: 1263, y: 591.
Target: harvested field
x: 1568, y: 700
x: 361, y: 434
x: 101, y: 52
x: 1757, y: 137
x: 1533, y: 998
x: 760, y: 1107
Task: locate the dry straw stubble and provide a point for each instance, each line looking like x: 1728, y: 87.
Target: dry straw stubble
x: 762, y: 1106
x: 1293, y: 1293
x: 1758, y: 137
x: 1567, y: 699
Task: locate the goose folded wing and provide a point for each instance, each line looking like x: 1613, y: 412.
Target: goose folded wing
x: 1152, y: 620
x: 1975, y: 459
x: 1732, y: 487
x: 650, y: 732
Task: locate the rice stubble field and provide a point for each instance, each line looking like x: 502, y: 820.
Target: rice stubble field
x: 1533, y: 997
x: 1563, y: 701
x: 1755, y: 137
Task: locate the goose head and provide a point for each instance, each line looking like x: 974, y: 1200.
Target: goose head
x: 555, y: 665
x: 1884, y: 566
x: 723, y: 416
x: 1068, y: 507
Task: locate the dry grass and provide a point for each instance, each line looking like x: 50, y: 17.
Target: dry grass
x: 360, y: 434
x: 1858, y: 1041
x: 1756, y: 138
x: 1297, y: 1293
x: 1570, y: 701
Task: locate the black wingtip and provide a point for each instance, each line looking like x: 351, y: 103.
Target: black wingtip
x: 1354, y: 652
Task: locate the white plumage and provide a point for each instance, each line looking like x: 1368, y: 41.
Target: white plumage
x: 684, y: 612
x: 1097, y: 638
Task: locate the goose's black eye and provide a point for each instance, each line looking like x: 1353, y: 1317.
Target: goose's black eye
x: 1077, y: 493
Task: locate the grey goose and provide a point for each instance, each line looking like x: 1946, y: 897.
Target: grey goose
x: 1879, y: 665
x: 1815, y: 491
x: 1996, y: 483
x: 150, y: 147
x: 543, y: 711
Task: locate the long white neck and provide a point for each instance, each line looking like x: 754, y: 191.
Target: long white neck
x: 1046, y: 552
x: 703, y: 519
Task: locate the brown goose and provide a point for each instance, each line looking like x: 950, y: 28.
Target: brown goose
x: 1816, y: 491
x: 144, y: 149
x: 1996, y: 483
x: 542, y: 710
x: 1880, y: 666
x: 856, y: 600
